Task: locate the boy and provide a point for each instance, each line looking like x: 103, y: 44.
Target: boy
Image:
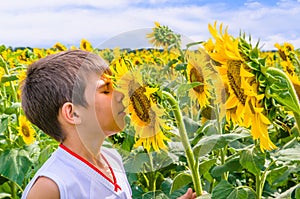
x: 68, y: 96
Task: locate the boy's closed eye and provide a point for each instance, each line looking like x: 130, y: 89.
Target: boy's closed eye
x: 104, y: 87
x: 106, y: 92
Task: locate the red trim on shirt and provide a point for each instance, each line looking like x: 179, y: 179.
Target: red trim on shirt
x: 114, y: 182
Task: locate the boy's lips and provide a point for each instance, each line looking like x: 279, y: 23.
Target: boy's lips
x: 122, y: 111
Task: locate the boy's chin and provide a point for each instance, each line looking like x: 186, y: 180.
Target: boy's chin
x: 120, y: 123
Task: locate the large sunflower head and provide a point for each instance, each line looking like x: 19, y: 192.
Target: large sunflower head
x: 241, y: 68
x: 26, y: 130
x: 146, y: 116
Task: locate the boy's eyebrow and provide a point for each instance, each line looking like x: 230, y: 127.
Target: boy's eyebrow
x: 101, y: 83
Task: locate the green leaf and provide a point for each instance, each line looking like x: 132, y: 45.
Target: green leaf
x: 222, y: 190
x: 205, y: 166
x: 13, y: 108
x: 137, y: 190
x: 155, y: 194
x: 172, y: 62
x: 5, y: 195
x: 15, y: 163
x: 278, y: 176
x: 288, y: 193
x: 193, y: 44
x: 166, y: 188
x: 179, y: 67
x: 190, y: 125
x: 2, y: 48
x: 2, y: 62
x: 297, y: 193
x: 4, y: 124
x: 185, y: 87
x: 213, y: 142
x: 181, y: 180
x: 135, y: 162
x: 281, y: 89
x: 3, y: 180
x: 8, y: 78
x: 208, y: 126
x: 163, y: 159
x: 230, y: 165
x: 289, y: 154
x: 252, y: 160
x: 238, y: 194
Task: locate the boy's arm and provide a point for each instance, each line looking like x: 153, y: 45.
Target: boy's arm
x: 44, y: 188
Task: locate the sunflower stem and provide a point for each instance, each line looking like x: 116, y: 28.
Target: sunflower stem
x: 192, y: 164
x: 13, y: 189
x: 14, y: 92
x: 297, y: 119
x: 223, y: 151
x: 152, y: 180
x: 258, y: 186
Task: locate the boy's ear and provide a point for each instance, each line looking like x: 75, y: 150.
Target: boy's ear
x: 69, y: 115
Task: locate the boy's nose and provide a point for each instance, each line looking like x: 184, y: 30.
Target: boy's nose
x: 119, y: 96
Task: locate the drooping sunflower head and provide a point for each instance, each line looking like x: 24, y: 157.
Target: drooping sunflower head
x: 163, y: 36
x: 26, y: 130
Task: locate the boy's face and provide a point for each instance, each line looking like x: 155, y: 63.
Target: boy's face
x: 105, y: 111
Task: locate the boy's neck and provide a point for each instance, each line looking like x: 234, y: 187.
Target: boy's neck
x: 89, y: 150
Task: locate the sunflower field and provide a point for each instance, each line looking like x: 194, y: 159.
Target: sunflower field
x: 220, y: 116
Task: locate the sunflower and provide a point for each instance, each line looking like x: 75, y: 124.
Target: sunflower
x: 284, y: 50
x: 21, y: 76
x: 287, y: 53
x: 232, y: 71
x: 59, y: 46
x: 26, y: 131
x: 39, y: 53
x: 243, y: 104
x: 2, y: 72
x: 118, y: 68
x: 157, y: 142
x: 86, y: 45
x: 197, y: 72
x: 146, y: 116
x: 163, y: 36
x: 259, y: 128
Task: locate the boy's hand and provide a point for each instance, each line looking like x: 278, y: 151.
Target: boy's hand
x: 188, y: 195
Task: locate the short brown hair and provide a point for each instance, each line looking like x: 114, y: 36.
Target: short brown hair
x: 54, y: 80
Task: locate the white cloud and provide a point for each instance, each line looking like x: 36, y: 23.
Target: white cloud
x: 42, y: 23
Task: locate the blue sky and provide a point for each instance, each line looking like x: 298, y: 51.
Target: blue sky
x: 124, y: 23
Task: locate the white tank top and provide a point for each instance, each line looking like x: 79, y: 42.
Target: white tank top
x: 76, y: 178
